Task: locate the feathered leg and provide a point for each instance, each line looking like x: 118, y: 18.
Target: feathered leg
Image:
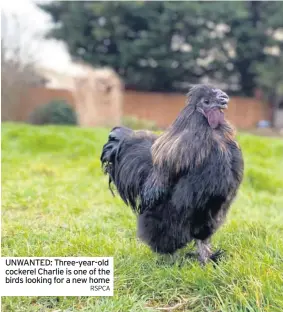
x: 204, y: 252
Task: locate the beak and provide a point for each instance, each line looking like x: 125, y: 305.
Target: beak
x: 222, y: 99
x: 221, y: 106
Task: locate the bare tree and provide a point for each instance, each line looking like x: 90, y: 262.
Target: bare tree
x: 18, y: 61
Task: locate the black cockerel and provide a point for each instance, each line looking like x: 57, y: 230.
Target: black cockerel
x: 181, y: 183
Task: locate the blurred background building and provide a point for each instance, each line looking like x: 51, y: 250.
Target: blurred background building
x: 112, y: 60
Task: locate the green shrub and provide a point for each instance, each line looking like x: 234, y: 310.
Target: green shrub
x: 139, y: 124
x: 55, y: 112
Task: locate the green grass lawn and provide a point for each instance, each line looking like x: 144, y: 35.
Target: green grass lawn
x: 56, y: 202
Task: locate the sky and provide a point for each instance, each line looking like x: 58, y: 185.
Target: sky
x: 49, y: 53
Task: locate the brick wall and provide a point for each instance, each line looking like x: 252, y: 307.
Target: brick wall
x: 39, y: 96
x: 244, y: 113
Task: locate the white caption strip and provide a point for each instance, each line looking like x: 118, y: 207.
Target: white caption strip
x: 53, y: 276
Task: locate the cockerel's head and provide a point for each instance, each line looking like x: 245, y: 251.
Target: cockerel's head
x: 210, y: 102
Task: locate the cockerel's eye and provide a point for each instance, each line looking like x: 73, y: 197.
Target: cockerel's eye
x: 206, y: 101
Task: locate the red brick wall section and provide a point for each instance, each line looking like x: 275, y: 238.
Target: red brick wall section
x: 244, y: 113
x: 40, y: 96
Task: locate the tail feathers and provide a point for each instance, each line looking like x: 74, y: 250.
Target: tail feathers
x: 126, y: 158
x: 118, y: 133
x: 110, y: 151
